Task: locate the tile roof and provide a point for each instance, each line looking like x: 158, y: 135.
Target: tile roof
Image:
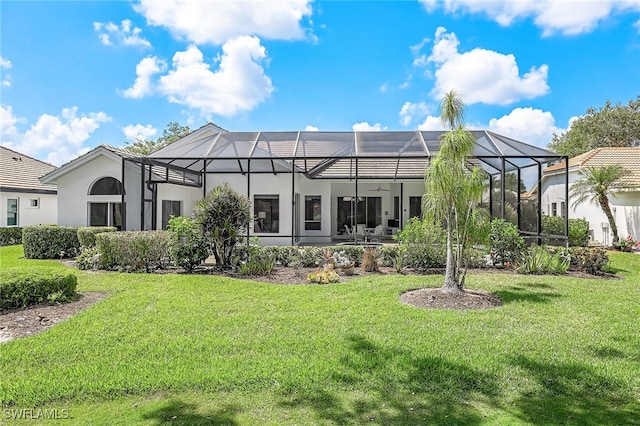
x: 19, y: 172
x: 628, y: 158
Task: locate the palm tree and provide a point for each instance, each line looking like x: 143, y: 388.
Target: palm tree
x: 452, y: 189
x: 595, y: 186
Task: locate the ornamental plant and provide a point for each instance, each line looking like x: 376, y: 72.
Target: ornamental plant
x: 187, y: 247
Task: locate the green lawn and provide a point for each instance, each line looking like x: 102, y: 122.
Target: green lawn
x: 199, y: 349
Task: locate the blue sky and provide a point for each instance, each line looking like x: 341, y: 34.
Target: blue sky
x: 77, y: 74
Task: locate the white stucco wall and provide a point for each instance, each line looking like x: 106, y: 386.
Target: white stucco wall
x: 45, y: 214
x: 625, y: 208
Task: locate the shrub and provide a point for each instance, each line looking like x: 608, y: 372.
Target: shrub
x: 423, y: 244
x: 387, y: 255
x: 10, y: 236
x: 354, y: 253
x: 578, y: 229
x: 133, y: 251
x: 370, y: 260
x: 324, y: 277
x: 590, y: 260
x: 539, y: 260
x: 283, y: 255
x: 309, y: 257
x: 256, y: 260
x: 20, y: 287
x: 223, y: 216
x: 87, y: 234
x: 50, y: 241
x: 187, y: 246
x: 89, y: 259
x: 505, y: 242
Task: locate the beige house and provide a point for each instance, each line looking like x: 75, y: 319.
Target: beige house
x: 624, y: 202
x: 23, y: 199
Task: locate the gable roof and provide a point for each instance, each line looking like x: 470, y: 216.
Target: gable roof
x: 628, y: 158
x: 113, y: 152
x: 20, y: 173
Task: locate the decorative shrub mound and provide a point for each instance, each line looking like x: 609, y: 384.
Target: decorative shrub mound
x: 507, y: 246
x: 10, y: 236
x: 133, y: 251
x: 590, y: 260
x: 21, y: 287
x: 50, y: 241
x: 87, y: 234
x: 422, y: 245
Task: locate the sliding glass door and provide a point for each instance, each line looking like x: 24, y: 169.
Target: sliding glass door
x: 368, y: 212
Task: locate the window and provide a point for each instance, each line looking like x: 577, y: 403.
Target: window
x: 12, y: 212
x: 170, y: 208
x: 34, y: 203
x: 266, y: 210
x: 107, y: 186
x: 105, y: 214
x: 554, y: 209
x: 312, y: 212
x: 415, y: 207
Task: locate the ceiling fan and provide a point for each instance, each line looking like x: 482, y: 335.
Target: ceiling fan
x: 379, y: 189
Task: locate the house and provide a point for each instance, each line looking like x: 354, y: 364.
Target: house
x: 624, y: 202
x: 304, y: 187
x: 23, y: 199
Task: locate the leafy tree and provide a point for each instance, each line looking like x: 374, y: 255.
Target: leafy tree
x: 453, y: 189
x: 223, y: 216
x: 611, y: 125
x: 172, y: 133
x: 595, y: 185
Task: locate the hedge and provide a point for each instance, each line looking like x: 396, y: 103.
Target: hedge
x: 133, y: 251
x: 87, y: 234
x: 50, y: 241
x: 20, y: 287
x: 578, y: 229
x: 10, y: 236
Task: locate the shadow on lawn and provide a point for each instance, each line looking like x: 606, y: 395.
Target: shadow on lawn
x: 527, y: 293
x: 568, y: 393
x: 400, y: 389
x: 176, y: 412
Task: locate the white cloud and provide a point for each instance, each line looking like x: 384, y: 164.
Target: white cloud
x: 410, y: 111
x: 431, y: 123
x: 217, y: 22
x: 56, y: 139
x: 239, y: 84
x: 529, y: 125
x: 310, y: 128
x: 135, y: 132
x: 366, y: 127
x: 552, y: 16
x: 145, y: 69
x: 482, y: 75
x: 125, y: 34
x: 5, y: 64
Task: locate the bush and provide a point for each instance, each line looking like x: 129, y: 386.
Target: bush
x: 539, y: 260
x: 10, y: 236
x: 589, y: 260
x: 87, y: 234
x: 89, y: 259
x: 310, y: 257
x: 324, y: 277
x: 50, y: 241
x: 578, y: 229
x: 387, y: 255
x: 354, y: 253
x: 133, y: 251
x: 256, y: 260
x: 20, y: 287
x: 223, y: 216
x: 423, y: 245
x: 505, y: 242
x: 187, y: 247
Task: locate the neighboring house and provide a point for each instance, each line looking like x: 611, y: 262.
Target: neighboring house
x: 625, y: 201
x: 304, y: 187
x: 23, y: 199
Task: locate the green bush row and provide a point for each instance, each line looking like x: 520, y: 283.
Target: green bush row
x: 133, y: 251
x: 20, y: 287
x: 10, y: 236
x: 87, y: 234
x: 578, y: 229
x: 50, y: 241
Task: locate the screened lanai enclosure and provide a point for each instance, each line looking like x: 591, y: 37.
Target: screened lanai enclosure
x: 327, y: 187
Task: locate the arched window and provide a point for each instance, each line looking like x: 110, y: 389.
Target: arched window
x: 107, y: 186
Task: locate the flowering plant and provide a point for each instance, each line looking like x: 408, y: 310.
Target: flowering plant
x: 629, y: 243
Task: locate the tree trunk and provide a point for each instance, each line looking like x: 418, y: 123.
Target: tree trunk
x: 604, y: 203
x: 451, y: 283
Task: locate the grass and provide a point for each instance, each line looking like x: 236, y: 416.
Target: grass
x: 199, y: 349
